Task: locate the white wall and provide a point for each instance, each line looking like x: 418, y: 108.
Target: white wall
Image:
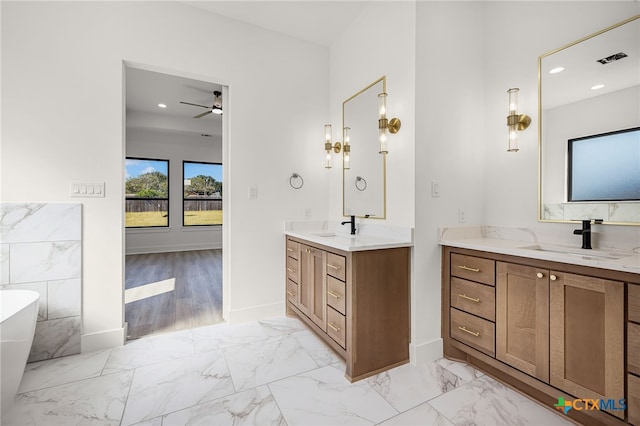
x: 175, y: 147
x: 449, y: 147
x: 62, y: 116
x: 380, y: 41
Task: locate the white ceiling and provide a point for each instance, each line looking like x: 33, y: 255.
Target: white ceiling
x: 319, y: 22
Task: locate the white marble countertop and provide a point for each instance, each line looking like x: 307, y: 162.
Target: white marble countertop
x: 524, y: 243
x: 368, y: 236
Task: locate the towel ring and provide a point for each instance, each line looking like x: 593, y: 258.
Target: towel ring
x: 361, y: 186
x: 296, y: 177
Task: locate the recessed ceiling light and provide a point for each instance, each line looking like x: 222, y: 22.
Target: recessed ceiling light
x: 597, y: 86
x: 162, y: 105
x: 556, y: 70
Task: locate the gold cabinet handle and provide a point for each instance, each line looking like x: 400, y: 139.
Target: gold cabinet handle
x: 540, y: 275
x: 290, y: 293
x: 289, y: 249
x: 553, y: 278
x: 463, y: 328
x: 466, y: 268
x: 464, y: 296
x: 309, y: 250
x: 333, y: 327
x: 293, y: 271
x: 336, y: 267
x: 331, y: 293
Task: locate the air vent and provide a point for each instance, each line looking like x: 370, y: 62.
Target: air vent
x: 612, y: 58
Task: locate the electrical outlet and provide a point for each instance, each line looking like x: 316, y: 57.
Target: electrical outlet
x: 461, y: 217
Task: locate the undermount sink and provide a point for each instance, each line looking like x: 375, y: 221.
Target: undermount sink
x: 584, y: 253
x: 326, y: 234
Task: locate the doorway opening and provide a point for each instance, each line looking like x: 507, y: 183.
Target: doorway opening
x: 174, y: 196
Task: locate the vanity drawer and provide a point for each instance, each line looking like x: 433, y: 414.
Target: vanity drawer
x: 336, y: 327
x: 293, y: 249
x: 477, y: 299
x: 473, y: 268
x: 634, y: 302
x: 336, y: 266
x: 473, y: 331
x: 336, y: 295
x: 633, y: 348
x: 293, y: 269
x: 292, y: 292
x: 633, y: 400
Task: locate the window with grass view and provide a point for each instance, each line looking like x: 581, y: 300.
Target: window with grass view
x: 202, y: 193
x: 146, y: 193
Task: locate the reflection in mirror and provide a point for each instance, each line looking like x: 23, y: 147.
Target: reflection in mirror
x: 363, y: 183
x: 587, y: 89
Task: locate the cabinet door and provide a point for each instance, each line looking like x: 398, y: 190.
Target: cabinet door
x: 587, y: 337
x: 522, y: 318
x: 313, y: 285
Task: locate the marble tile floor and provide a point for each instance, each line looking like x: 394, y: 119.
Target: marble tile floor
x: 271, y: 372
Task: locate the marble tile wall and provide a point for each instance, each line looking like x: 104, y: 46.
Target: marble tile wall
x: 40, y: 250
x: 610, y: 212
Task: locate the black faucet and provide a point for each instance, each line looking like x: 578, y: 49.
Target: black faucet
x: 586, y: 232
x: 353, y: 224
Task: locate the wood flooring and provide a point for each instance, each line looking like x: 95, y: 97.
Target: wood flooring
x: 195, y: 301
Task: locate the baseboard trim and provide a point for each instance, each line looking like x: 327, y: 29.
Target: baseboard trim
x: 92, y: 342
x: 255, y: 313
x: 172, y: 248
x: 425, y: 352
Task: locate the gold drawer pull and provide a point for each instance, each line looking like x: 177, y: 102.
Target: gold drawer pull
x: 466, y: 268
x: 469, y: 331
x: 289, y: 249
x: 333, y: 266
x: 464, y: 296
x: 331, y: 293
x: 553, y: 277
x: 290, y: 293
x: 293, y: 271
x: 333, y: 327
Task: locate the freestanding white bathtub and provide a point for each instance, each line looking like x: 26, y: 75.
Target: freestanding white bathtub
x: 18, y: 316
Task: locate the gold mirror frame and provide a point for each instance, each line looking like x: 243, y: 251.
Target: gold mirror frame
x: 354, y: 154
x: 541, y: 205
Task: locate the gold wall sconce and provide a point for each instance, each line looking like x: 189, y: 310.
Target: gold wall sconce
x: 515, y: 122
x: 337, y: 147
x: 385, y: 125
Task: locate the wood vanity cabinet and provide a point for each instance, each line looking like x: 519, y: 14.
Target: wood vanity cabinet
x: 357, y: 302
x: 522, y: 318
x: 633, y: 353
x: 587, y: 336
x: 559, y: 328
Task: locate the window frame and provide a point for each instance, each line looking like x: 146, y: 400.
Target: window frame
x: 168, y: 199
x: 197, y: 199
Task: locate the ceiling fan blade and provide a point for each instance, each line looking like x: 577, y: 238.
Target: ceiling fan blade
x: 189, y: 103
x: 203, y: 114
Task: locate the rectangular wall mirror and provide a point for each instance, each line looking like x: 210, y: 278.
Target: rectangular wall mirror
x: 364, y: 183
x: 588, y: 108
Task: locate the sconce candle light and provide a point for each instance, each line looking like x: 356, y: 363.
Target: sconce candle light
x: 335, y: 147
x: 346, y: 149
x: 515, y: 122
x: 385, y: 125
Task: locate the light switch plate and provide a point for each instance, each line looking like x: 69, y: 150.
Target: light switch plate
x: 84, y: 189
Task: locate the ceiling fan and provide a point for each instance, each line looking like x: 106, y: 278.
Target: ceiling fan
x: 216, y: 108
